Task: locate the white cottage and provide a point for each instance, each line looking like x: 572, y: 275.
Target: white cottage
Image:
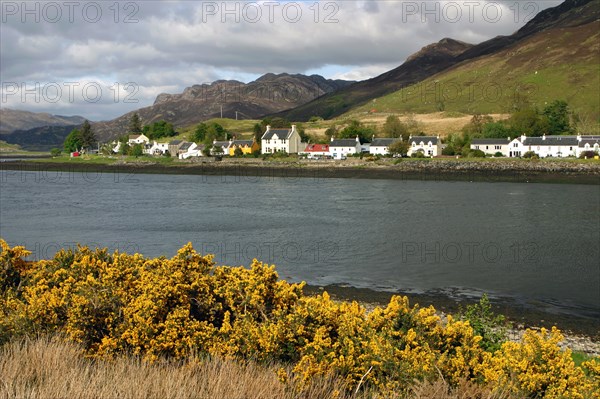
x: 429, y: 145
x: 588, y: 143
x: 492, y: 146
x: 551, y: 146
x: 156, y: 148
x: 381, y: 146
x: 281, y: 140
x: 138, y: 139
x: 342, y: 148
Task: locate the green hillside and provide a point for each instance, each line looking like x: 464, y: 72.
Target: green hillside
x: 562, y: 63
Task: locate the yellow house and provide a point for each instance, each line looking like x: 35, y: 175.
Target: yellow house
x: 247, y: 146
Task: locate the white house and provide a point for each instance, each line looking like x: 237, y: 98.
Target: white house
x: 138, y: 139
x: 342, y: 148
x: 223, y: 147
x: 381, y: 146
x: 429, y: 145
x: 588, y: 143
x: 192, y: 151
x: 156, y: 148
x: 316, y: 151
x: 492, y: 146
x: 552, y: 146
x: 281, y: 140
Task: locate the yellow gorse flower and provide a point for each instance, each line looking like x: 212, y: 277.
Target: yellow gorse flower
x: 156, y: 308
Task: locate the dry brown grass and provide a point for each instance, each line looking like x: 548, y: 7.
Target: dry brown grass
x: 49, y: 368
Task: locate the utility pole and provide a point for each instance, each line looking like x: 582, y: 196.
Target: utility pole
x: 236, y: 115
x: 221, y: 111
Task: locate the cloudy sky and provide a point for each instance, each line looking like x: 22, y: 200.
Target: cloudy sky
x: 102, y: 59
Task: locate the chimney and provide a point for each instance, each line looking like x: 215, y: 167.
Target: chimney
x: 331, y: 138
x: 373, y: 138
x: 293, y: 128
x: 268, y: 127
x: 357, y: 139
x: 544, y: 136
x: 578, y: 136
x: 523, y: 138
x: 214, y: 141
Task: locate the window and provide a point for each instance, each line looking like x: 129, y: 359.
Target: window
x: 487, y: 147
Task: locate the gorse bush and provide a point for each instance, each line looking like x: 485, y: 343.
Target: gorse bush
x: 114, y: 304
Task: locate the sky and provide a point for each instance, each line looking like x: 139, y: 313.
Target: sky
x: 101, y: 59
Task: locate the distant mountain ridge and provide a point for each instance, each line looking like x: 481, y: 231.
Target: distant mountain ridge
x: 12, y: 120
x: 434, y: 59
x: 268, y: 94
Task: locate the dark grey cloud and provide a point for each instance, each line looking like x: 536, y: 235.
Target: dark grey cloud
x: 164, y: 46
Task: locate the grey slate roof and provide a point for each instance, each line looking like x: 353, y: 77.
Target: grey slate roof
x: 424, y: 139
x: 281, y: 134
x: 383, y: 142
x: 185, y: 146
x: 243, y: 142
x: 224, y: 144
x: 490, y: 141
x: 591, y: 142
x: 343, y: 143
x: 175, y: 142
x: 552, y: 140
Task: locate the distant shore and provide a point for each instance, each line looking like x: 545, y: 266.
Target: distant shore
x: 504, y: 170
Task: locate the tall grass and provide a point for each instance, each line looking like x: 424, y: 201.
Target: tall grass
x: 46, y: 368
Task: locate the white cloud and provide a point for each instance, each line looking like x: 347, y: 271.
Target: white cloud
x: 175, y: 44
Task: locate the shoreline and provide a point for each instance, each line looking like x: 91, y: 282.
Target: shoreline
x: 517, y: 171
x: 581, y: 334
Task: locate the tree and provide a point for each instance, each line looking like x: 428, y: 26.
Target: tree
x: 88, y: 138
x: 528, y: 122
x: 475, y: 126
x: 206, y: 151
x: 399, y: 147
x: 356, y: 128
x: 238, y: 152
x: 199, y: 135
x: 497, y: 130
x: 159, y: 129
x: 558, y: 117
x: 124, y: 149
x: 393, y: 127
x: 135, y: 124
x: 137, y: 150
x: 73, y: 141
x: 258, y: 132
x: 331, y: 131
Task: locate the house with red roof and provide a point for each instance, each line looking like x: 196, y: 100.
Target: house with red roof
x: 316, y: 151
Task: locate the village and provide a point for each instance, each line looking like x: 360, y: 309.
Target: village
x: 288, y: 141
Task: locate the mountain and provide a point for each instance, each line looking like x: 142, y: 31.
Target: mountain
x: 572, y: 15
x: 268, y: 94
x: 42, y: 138
x: 554, y: 57
x: 428, y: 61
x: 11, y: 120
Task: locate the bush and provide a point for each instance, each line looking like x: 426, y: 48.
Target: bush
x: 531, y: 155
x: 588, y: 155
x: 492, y: 328
x: 498, y: 154
x: 475, y: 154
x: 115, y: 304
x: 418, y: 154
x: 55, y: 152
x: 448, y: 150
